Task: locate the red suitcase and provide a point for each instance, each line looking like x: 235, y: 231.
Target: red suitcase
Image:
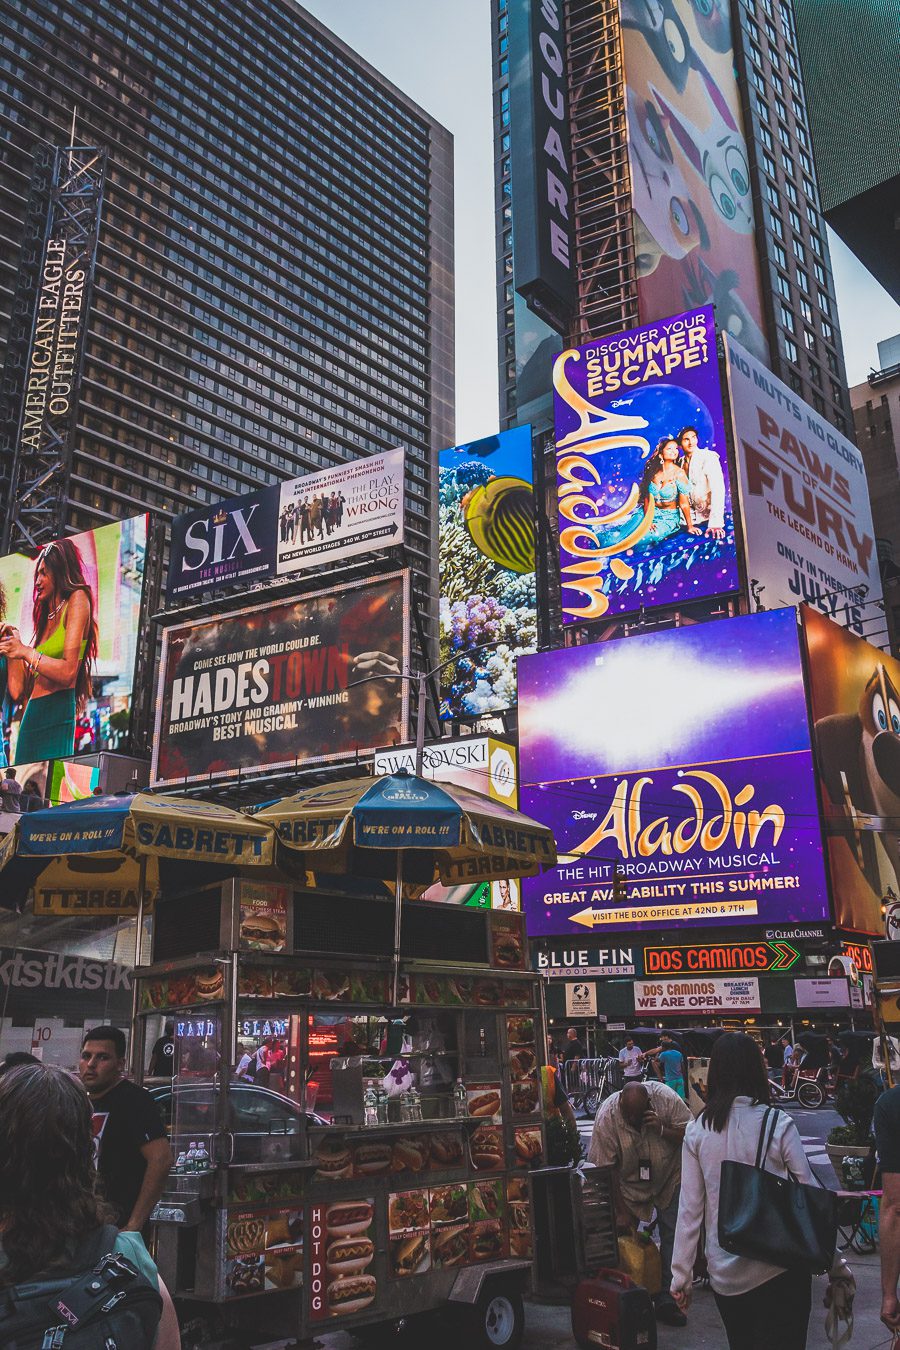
x: 610, y: 1310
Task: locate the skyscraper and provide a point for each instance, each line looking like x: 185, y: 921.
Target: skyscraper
x: 273, y: 290
x: 854, y: 121
x: 688, y: 187
x: 876, y: 412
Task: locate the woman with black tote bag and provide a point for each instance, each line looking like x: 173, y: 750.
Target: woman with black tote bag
x: 763, y: 1306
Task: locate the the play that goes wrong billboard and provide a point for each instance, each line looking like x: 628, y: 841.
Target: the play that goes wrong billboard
x: 682, y: 759
x: 855, y: 698
x: 76, y: 603
x: 691, y: 189
x: 283, y: 683
x: 645, y: 514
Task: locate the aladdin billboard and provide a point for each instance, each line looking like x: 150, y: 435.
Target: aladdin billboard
x: 691, y: 189
x: 283, y: 683
x: 70, y: 615
x: 808, y: 529
x: 645, y: 515
x: 306, y: 522
x: 487, y: 570
x: 855, y: 700
x: 681, y: 762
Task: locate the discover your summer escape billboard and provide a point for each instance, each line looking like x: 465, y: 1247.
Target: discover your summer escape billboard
x: 645, y: 514
x: 75, y: 602
x: 487, y: 570
x: 289, y: 527
x: 855, y: 699
x: 283, y: 683
x: 808, y: 530
x: 691, y: 191
x: 679, y: 761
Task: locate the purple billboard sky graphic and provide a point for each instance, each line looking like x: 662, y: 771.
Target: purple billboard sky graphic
x: 682, y: 760
x: 640, y: 525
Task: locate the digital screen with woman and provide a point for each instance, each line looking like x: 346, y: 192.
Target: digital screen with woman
x: 645, y: 513
x: 68, y: 635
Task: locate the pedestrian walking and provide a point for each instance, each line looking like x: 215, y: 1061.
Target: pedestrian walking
x: 133, y: 1154
x: 887, y: 1140
x: 55, y: 1227
x: 762, y: 1306
x: 638, y: 1132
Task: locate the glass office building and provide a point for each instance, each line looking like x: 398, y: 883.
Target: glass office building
x: 273, y: 290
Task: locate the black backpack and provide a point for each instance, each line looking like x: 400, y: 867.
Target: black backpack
x: 99, y: 1301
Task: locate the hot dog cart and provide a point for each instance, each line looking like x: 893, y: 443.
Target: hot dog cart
x: 340, y: 1161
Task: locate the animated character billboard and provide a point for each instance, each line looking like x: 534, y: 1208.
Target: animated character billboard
x: 487, y: 570
x: 691, y: 192
x: 645, y: 515
x: 675, y: 769
x: 855, y: 699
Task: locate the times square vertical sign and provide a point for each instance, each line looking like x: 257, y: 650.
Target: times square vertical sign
x: 50, y: 372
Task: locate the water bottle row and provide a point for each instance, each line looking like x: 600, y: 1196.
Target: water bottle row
x: 192, y: 1160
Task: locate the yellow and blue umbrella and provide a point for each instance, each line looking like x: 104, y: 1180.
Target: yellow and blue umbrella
x: 119, y: 842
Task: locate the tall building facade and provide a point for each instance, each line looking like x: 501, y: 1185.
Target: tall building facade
x: 854, y: 117
x: 688, y: 187
x: 273, y: 288
x: 876, y: 413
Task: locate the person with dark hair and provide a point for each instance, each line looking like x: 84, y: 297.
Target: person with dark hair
x: 49, y: 1209
x: 703, y: 470
x: 162, y: 1056
x: 14, y: 1058
x: 762, y: 1306
x: 54, y: 673
x: 133, y: 1154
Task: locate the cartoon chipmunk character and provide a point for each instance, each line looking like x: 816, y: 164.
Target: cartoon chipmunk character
x: 859, y: 760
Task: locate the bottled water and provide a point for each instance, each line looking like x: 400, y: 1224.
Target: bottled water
x: 460, y: 1098
x: 382, y: 1106
x: 190, y: 1162
x: 202, y: 1162
x: 415, y: 1104
x: 181, y: 1164
x: 370, y: 1104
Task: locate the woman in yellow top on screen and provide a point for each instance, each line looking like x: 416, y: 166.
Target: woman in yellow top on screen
x: 54, y: 673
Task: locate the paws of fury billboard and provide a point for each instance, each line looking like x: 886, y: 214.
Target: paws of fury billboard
x: 279, y: 684
x: 681, y: 761
x: 645, y: 515
x: 855, y: 697
x: 692, y: 207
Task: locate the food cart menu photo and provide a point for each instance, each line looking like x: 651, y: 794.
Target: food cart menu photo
x: 485, y: 1101
x: 263, y: 1250
x: 342, y: 1250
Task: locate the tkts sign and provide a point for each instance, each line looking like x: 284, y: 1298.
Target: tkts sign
x: 724, y: 956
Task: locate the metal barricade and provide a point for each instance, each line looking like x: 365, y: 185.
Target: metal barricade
x: 588, y: 1081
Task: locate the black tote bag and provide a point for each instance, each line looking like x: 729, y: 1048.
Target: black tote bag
x: 776, y: 1219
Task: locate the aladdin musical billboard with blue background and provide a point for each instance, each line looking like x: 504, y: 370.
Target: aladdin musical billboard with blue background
x: 682, y: 760
x: 645, y: 513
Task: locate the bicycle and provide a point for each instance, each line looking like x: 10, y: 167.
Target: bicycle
x: 589, y: 1081
x: 806, y: 1091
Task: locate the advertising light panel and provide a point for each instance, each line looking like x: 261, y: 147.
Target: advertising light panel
x: 680, y: 760
x: 691, y: 189
x: 855, y: 699
x: 322, y: 518
x: 645, y: 515
x: 76, y: 603
x: 808, y: 530
x: 487, y: 570
x: 278, y: 684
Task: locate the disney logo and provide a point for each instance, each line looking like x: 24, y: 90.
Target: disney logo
x: 584, y: 815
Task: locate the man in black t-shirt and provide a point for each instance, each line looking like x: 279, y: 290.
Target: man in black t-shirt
x: 162, y: 1056
x: 573, y: 1049
x: 133, y: 1154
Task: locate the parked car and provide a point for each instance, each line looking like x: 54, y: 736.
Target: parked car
x: 263, y: 1125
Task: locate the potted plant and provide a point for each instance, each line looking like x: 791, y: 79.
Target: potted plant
x: 855, y: 1104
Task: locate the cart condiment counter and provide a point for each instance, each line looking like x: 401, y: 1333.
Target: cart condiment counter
x: 304, y: 1216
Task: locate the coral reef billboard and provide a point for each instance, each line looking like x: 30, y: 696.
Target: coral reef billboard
x: 487, y: 570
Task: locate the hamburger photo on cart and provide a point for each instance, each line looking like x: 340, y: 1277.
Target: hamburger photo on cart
x: 263, y: 917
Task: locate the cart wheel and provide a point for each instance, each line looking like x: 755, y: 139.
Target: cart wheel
x: 810, y: 1094
x: 591, y: 1101
x: 496, y: 1321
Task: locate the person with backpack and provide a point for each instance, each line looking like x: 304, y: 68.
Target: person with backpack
x: 67, y: 1276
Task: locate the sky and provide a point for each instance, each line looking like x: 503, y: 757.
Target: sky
x: 439, y: 54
